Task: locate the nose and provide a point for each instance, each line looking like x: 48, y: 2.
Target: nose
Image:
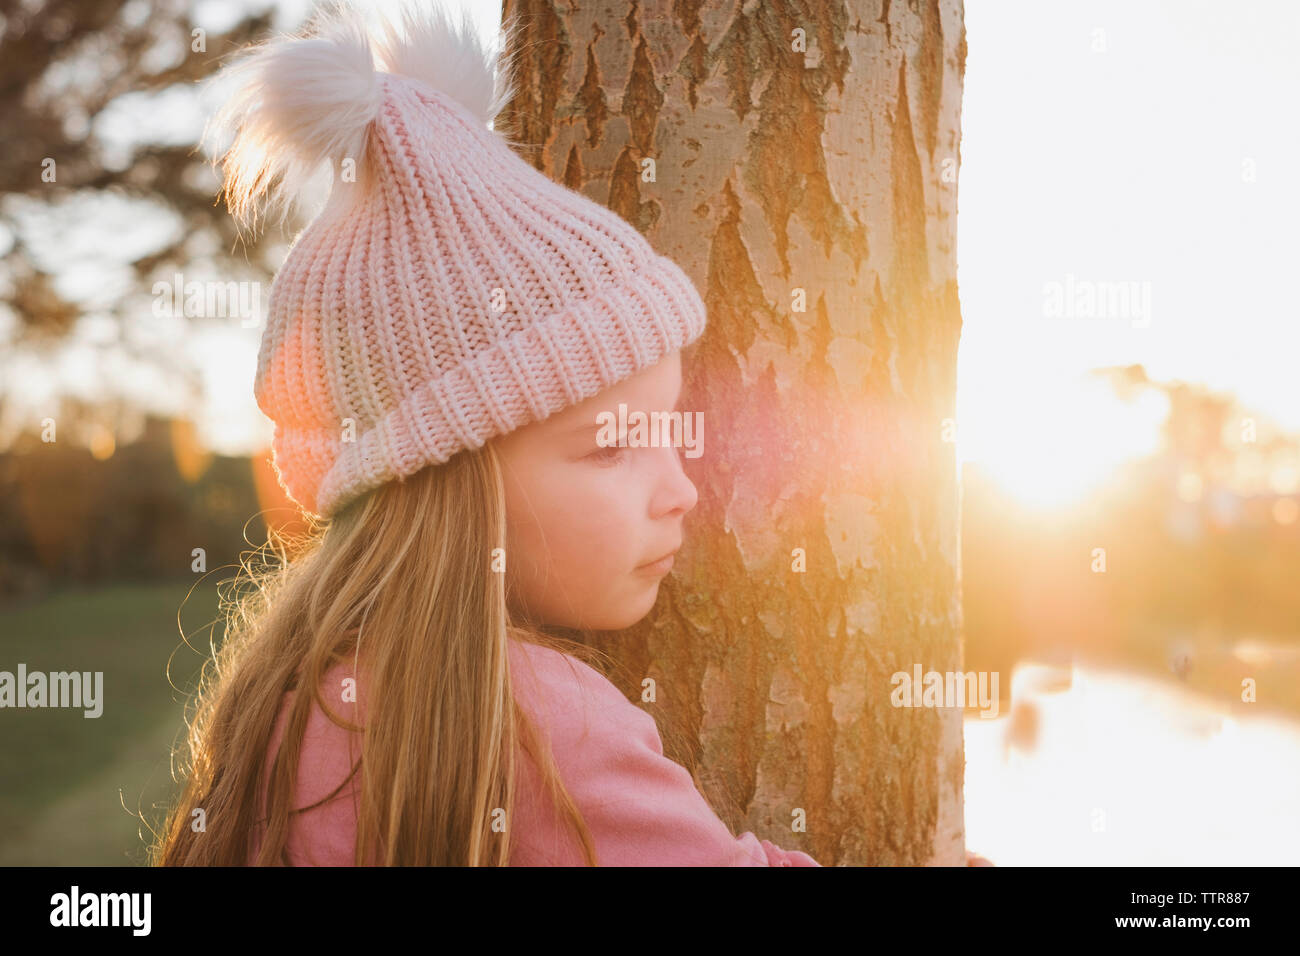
x: 676, y: 494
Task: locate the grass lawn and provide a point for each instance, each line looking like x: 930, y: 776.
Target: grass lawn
x: 73, y: 790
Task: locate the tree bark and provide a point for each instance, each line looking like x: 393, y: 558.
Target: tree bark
x: 810, y: 191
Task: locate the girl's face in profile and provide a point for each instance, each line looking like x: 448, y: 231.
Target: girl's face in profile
x: 583, y: 520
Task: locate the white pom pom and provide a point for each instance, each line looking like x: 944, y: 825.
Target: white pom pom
x: 300, y: 101
x: 454, y: 59
x: 306, y: 99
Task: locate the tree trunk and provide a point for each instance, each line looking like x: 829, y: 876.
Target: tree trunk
x: 804, y: 176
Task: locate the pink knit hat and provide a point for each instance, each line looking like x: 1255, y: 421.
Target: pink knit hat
x: 451, y: 292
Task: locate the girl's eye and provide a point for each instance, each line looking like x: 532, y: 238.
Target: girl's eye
x: 608, y: 455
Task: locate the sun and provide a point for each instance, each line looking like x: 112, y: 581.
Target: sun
x: 1054, y: 441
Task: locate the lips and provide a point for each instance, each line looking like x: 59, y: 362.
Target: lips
x: 664, y: 561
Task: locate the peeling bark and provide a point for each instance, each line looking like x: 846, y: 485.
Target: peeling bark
x: 776, y: 171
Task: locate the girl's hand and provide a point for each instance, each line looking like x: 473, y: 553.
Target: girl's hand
x: 974, y: 859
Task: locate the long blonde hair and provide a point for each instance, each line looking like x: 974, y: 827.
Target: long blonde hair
x: 401, y: 580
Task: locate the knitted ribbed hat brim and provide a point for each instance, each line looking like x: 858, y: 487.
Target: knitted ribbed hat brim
x: 541, y: 376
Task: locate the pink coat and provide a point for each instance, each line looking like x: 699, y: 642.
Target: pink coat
x: 642, y: 809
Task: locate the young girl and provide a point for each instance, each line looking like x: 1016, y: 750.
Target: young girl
x: 440, y: 342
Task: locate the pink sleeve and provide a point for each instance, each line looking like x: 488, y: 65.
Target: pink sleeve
x: 642, y: 808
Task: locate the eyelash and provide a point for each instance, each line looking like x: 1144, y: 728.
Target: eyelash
x: 603, y: 456
x: 611, y: 454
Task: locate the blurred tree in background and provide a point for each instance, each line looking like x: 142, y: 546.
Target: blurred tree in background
x: 105, y: 193
x: 100, y: 98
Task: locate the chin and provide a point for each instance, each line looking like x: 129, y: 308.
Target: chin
x: 614, y: 616
x: 645, y: 605
x: 630, y: 611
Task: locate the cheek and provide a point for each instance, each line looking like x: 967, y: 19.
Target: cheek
x: 574, y: 523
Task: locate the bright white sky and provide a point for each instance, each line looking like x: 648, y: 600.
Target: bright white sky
x: 1127, y: 164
